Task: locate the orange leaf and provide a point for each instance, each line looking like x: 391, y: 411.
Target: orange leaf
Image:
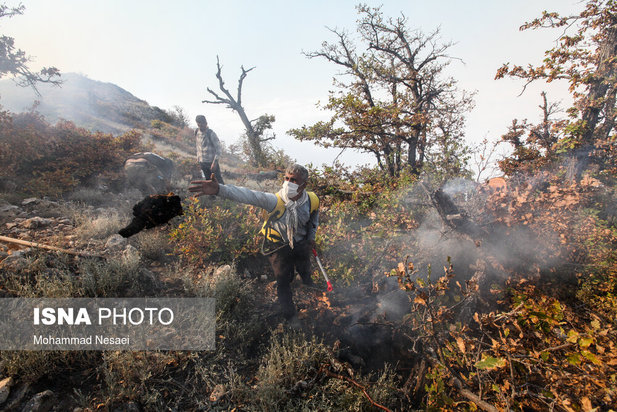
x: 586, y: 404
x: 461, y: 344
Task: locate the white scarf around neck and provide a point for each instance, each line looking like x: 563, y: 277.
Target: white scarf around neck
x: 292, y: 213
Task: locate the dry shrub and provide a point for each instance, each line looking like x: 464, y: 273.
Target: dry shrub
x: 89, y: 196
x: 53, y: 159
x: 237, y: 322
x: 42, y: 274
x: 221, y: 233
x: 110, y: 278
x: 30, y: 366
x: 137, y: 376
x: 98, y: 226
x: 154, y: 244
x: 292, y: 377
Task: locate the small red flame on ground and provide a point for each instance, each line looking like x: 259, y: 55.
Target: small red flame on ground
x: 324, y: 300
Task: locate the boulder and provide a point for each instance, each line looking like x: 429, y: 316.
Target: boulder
x: 5, y: 385
x: 17, y: 395
x: 8, y: 211
x: 36, y: 222
x: 222, y: 271
x: 116, y: 241
x: 16, y: 261
x: 41, y: 402
x: 131, y: 253
x: 30, y: 201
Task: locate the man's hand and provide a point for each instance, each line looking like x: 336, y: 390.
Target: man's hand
x: 205, y: 187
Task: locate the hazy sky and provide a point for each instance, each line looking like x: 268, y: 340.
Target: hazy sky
x: 165, y: 53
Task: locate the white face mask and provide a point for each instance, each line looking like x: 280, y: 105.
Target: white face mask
x: 291, y: 189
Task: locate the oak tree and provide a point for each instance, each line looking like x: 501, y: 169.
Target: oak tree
x: 391, y: 94
x: 14, y: 62
x: 586, y: 58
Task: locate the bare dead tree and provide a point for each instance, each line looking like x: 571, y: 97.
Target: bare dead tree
x: 255, y: 129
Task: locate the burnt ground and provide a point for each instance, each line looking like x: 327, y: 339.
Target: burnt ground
x: 350, y: 320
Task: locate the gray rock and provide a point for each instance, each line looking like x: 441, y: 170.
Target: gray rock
x: 8, y: 210
x: 222, y: 271
x: 15, y: 261
x: 41, y: 402
x: 30, y: 201
x: 5, y: 385
x: 36, y: 222
x: 130, y: 253
x: 16, y: 396
x: 116, y: 242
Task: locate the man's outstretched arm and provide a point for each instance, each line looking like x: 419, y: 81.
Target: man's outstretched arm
x: 237, y: 194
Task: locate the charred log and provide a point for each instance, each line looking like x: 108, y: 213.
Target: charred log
x: 456, y: 218
x: 154, y: 210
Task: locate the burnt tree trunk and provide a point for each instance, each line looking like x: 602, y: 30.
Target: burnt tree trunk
x: 600, y: 86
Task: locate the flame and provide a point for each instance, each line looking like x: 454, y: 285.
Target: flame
x: 325, y: 301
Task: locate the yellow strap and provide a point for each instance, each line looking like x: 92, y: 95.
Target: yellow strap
x: 314, y: 201
x: 279, y: 210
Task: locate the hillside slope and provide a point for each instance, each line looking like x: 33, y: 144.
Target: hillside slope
x: 92, y: 104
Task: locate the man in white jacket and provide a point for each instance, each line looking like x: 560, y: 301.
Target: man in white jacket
x: 290, y: 229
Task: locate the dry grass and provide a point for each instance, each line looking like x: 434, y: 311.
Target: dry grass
x: 111, y: 278
x: 89, y: 196
x: 153, y: 244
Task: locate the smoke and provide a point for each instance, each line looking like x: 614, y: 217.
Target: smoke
x: 95, y: 105
x: 495, y: 253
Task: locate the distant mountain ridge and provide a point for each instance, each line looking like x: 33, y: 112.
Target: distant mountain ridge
x: 92, y: 104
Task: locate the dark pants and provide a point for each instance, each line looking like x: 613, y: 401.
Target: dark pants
x: 208, y: 171
x: 283, y: 262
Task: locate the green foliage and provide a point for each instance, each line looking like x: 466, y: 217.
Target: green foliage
x: 157, y: 124
x: 15, y: 61
x: 598, y: 283
x: 392, y: 99
x: 220, y: 233
x: 51, y: 160
x: 362, y: 231
x: 585, y: 57
x: 559, y: 354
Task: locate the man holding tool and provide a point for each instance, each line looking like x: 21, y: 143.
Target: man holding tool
x: 289, y: 231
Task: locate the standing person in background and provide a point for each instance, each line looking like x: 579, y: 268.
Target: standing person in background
x: 208, y: 149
